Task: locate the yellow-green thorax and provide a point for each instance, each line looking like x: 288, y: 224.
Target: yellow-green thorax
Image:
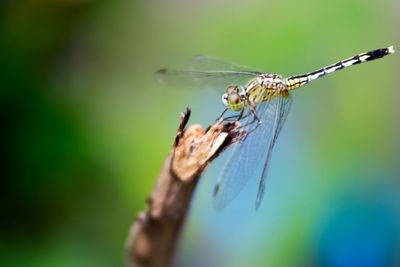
x: 264, y: 87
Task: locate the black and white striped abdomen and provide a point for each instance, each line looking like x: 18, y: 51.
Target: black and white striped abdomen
x: 299, y: 80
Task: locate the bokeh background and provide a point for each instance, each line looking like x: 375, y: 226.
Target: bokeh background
x: 85, y: 129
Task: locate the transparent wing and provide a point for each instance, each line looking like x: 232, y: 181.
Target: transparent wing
x: 283, y: 110
x: 217, y: 80
x: 250, y: 154
x: 208, y: 72
x: 204, y: 63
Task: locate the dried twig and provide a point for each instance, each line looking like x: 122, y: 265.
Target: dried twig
x: 153, y: 237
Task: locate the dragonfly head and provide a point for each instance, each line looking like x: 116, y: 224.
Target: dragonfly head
x: 231, y: 99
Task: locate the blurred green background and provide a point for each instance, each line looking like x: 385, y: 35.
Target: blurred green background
x: 85, y: 129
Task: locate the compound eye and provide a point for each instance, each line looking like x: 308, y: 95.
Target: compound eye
x: 232, y: 89
x: 234, y: 98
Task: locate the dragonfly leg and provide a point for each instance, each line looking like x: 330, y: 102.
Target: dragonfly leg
x: 222, y: 114
x: 236, y: 117
x: 232, y: 118
x: 258, y: 125
x: 245, y: 116
x: 255, y: 119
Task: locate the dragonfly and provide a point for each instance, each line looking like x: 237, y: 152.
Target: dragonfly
x: 261, y: 102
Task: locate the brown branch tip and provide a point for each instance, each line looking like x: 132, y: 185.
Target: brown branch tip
x: 154, y: 236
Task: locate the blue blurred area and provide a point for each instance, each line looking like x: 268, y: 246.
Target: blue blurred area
x: 363, y: 234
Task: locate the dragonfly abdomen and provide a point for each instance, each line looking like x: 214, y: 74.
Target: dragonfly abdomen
x: 294, y: 82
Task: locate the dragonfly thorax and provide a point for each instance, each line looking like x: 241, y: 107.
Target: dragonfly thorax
x: 264, y: 87
x: 272, y: 81
x: 232, y: 98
